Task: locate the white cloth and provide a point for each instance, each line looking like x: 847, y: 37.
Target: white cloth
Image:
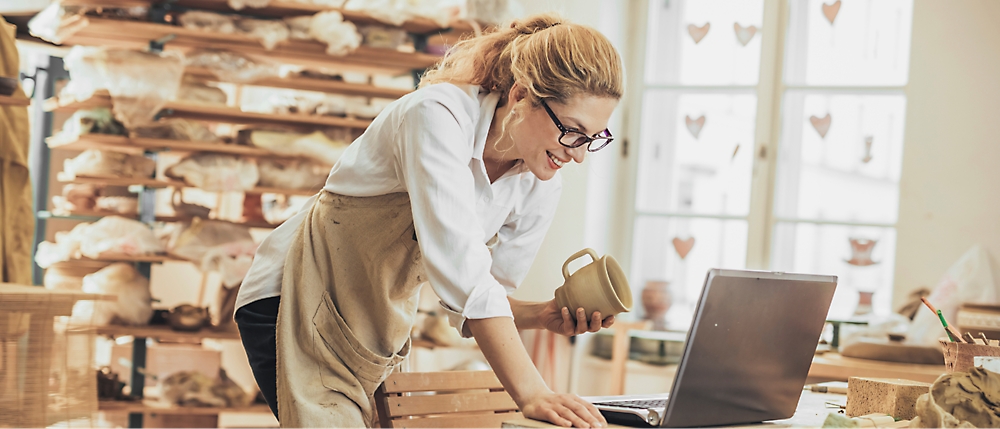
x: 430, y: 144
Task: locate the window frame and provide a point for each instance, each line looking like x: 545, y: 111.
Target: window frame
x: 770, y: 91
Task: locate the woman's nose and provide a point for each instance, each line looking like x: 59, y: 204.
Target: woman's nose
x: 578, y: 153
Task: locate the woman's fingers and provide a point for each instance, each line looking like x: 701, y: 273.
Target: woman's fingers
x: 595, y: 322
x: 608, y: 321
x: 581, y: 321
x: 572, y: 415
x: 587, y: 411
x: 552, y: 416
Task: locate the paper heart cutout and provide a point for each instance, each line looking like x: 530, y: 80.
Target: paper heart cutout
x: 868, y: 149
x: 683, y: 247
x: 861, y: 252
x: 822, y: 125
x: 830, y: 11
x: 744, y: 34
x: 698, y: 33
x: 694, y: 126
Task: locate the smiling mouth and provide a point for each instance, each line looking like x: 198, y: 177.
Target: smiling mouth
x: 559, y: 163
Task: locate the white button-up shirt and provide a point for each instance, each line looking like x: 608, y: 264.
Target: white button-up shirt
x: 430, y: 144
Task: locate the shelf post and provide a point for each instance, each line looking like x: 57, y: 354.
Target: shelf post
x: 38, y: 156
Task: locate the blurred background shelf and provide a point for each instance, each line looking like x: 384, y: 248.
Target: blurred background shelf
x: 165, y: 333
x: 91, y: 216
x: 139, y: 145
x: 137, y: 35
x: 212, y: 113
x: 166, y: 183
x: 155, y: 406
x: 309, y: 84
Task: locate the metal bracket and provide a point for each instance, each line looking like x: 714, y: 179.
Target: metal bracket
x: 156, y: 46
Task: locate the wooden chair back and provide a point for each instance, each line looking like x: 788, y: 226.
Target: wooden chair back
x: 443, y: 399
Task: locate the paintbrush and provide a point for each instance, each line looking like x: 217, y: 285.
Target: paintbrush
x: 953, y: 334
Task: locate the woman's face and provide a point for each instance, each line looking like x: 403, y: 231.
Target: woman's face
x: 536, y: 137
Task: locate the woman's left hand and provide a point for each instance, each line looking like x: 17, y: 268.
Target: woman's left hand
x: 561, y: 320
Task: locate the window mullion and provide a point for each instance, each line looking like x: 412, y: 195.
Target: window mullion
x: 769, y: 94
x: 635, y: 59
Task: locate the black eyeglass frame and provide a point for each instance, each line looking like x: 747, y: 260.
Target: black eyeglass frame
x: 587, y: 140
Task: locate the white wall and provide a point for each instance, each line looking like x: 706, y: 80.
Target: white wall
x: 950, y: 186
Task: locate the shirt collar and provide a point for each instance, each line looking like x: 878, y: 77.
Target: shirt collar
x: 487, y: 108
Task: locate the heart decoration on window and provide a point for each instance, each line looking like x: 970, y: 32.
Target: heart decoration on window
x: 683, y: 247
x: 698, y: 33
x: 831, y: 10
x: 868, y: 149
x: 694, y: 126
x: 744, y: 34
x: 822, y: 125
x: 861, y: 252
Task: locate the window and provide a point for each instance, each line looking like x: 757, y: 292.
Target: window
x: 718, y: 98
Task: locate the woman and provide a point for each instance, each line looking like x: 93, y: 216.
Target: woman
x: 454, y: 184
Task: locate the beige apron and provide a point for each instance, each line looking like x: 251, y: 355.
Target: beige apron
x: 348, y: 300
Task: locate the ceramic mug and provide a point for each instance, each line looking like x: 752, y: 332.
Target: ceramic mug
x: 598, y: 286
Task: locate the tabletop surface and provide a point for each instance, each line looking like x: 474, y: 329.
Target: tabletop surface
x: 811, y: 412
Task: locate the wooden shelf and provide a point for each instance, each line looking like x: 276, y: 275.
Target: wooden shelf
x: 159, y: 183
x: 210, y: 113
x: 138, y: 145
x: 157, y: 407
x: 6, y: 100
x: 310, y: 84
x: 165, y: 333
x: 281, y: 9
x: 120, y: 257
x: 306, y: 53
x: 91, y: 216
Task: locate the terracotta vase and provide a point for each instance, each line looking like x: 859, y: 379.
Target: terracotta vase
x: 864, y: 303
x: 656, y: 301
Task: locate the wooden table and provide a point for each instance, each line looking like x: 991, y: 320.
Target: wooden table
x: 834, y: 367
x: 811, y: 412
x: 31, y: 310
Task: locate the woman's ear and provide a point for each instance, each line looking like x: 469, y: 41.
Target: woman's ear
x: 516, y: 93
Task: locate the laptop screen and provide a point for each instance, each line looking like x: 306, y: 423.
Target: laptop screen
x: 749, y: 348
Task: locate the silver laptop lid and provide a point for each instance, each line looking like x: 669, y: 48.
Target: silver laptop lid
x: 749, y: 348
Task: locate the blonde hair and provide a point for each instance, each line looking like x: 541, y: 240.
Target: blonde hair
x: 553, y: 59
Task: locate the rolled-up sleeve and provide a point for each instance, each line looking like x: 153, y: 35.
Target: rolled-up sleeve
x: 434, y: 151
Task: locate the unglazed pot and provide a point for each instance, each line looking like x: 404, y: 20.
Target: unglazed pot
x: 598, y: 286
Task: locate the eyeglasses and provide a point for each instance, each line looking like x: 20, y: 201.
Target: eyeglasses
x: 572, y: 138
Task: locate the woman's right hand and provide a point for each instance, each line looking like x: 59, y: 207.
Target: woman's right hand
x: 564, y: 410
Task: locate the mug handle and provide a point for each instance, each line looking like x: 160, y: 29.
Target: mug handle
x: 587, y: 251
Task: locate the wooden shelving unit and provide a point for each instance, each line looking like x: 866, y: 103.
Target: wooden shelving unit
x: 157, y: 407
x: 96, y: 31
x: 6, y: 100
x: 136, y: 35
x: 167, y: 183
x: 213, y: 113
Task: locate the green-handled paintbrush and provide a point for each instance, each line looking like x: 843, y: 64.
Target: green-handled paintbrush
x: 953, y: 334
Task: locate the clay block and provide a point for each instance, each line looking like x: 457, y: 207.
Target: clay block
x: 893, y: 396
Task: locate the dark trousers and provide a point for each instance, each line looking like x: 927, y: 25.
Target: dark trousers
x: 257, y: 322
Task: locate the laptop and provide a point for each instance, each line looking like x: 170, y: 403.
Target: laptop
x: 746, y: 356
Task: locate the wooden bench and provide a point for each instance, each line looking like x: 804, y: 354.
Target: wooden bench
x: 443, y: 399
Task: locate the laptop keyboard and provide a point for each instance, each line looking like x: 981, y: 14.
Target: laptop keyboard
x: 640, y: 404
